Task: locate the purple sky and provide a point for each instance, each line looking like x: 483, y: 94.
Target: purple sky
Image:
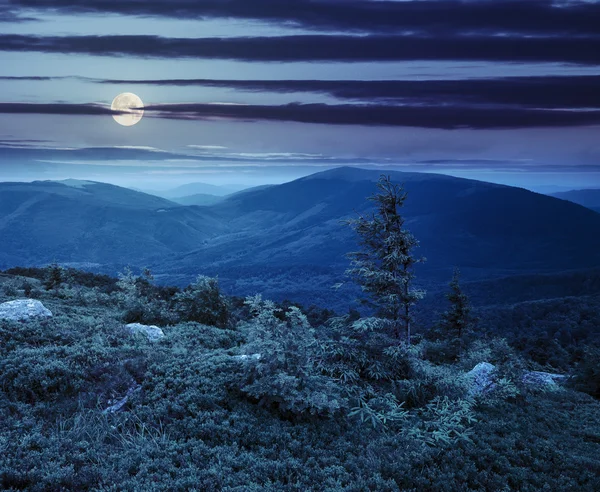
x: 269, y: 90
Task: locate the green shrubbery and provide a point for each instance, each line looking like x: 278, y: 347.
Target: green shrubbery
x: 203, y: 302
x: 195, y: 422
x: 281, y: 366
x: 586, y: 375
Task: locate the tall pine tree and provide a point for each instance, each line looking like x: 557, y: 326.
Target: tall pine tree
x: 384, y: 266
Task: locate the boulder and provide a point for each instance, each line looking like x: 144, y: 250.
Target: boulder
x: 23, y: 309
x: 153, y: 333
x: 537, y: 378
x: 247, y: 357
x: 481, y: 378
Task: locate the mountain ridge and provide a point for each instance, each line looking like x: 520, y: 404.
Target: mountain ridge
x: 589, y: 198
x: 288, y: 240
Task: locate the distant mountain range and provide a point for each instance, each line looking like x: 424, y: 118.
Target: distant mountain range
x: 79, y: 221
x: 288, y: 240
x: 192, y: 189
x: 201, y: 199
x: 588, y: 198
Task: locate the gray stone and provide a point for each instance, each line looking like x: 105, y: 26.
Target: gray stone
x: 153, y: 333
x: 481, y: 378
x: 23, y: 309
x: 118, y: 405
x: 539, y: 378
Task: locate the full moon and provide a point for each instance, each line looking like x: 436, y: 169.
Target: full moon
x: 125, y: 102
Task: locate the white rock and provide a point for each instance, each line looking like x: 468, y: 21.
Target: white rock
x: 542, y: 378
x: 247, y: 357
x: 23, y: 309
x: 482, y: 379
x: 153, y: 333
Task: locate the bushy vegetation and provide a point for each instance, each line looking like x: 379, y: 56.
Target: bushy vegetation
x: 247, y: 394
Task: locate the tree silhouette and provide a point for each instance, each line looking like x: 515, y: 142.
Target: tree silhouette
x: 384, y: 265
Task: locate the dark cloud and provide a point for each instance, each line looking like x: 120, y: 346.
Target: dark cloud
x: 55, y: 108
x: 35, y: 78
x: 21, y: 142
x: 530, y: 16
x: 544, y: 92
x: 339, y: 48
x: 12, y: 16
x: 575, y: 91
x: 445, y: 117
x: 438, y: 116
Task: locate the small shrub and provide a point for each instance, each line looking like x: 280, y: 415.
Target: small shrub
x: 286, y: 376
x: 586, y: 376
x: 203, y: 302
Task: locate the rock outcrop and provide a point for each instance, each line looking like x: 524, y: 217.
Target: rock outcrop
x: 153, y: 333
x: 482, y: 379
x: 538, y: 378
x: 23, y: 309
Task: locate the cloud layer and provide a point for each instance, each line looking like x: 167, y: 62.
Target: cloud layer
x: 395, y: 44
x: 432, y: 16
x: 535, y: 92
x: 444, y: 117
x: 332, y: 48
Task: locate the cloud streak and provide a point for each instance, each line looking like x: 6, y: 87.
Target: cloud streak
x: 439, y: 16
x: 442, y: 117
x: 332, y: 48
x: 574, y: 92
x: 58, y: 108
x: 55, y: 108
x: 541, y: 92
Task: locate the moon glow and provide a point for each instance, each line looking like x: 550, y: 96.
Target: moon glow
x: 125, y: 102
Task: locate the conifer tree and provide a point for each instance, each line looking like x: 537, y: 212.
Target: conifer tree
x: 54, y: 276
x: 384, y: 266
x: 458, y: 319
x: 203, y: 302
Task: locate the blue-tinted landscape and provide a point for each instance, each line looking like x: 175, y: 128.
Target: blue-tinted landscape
x: 300, y: 245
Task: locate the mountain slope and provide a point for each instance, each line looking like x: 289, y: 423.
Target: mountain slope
x: 99, y: 223
x: 458, y: 221
x: 89, y: 192
x: 201, y: 199
x: 588, y: 198
x: 289, y: 240
x: 199, y: 189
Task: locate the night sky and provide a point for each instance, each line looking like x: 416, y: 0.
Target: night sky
x: 263, y: 91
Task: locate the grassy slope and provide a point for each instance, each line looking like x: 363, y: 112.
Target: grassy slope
x: 185, y: 430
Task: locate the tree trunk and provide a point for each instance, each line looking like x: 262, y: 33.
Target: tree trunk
x: 408, y: 324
